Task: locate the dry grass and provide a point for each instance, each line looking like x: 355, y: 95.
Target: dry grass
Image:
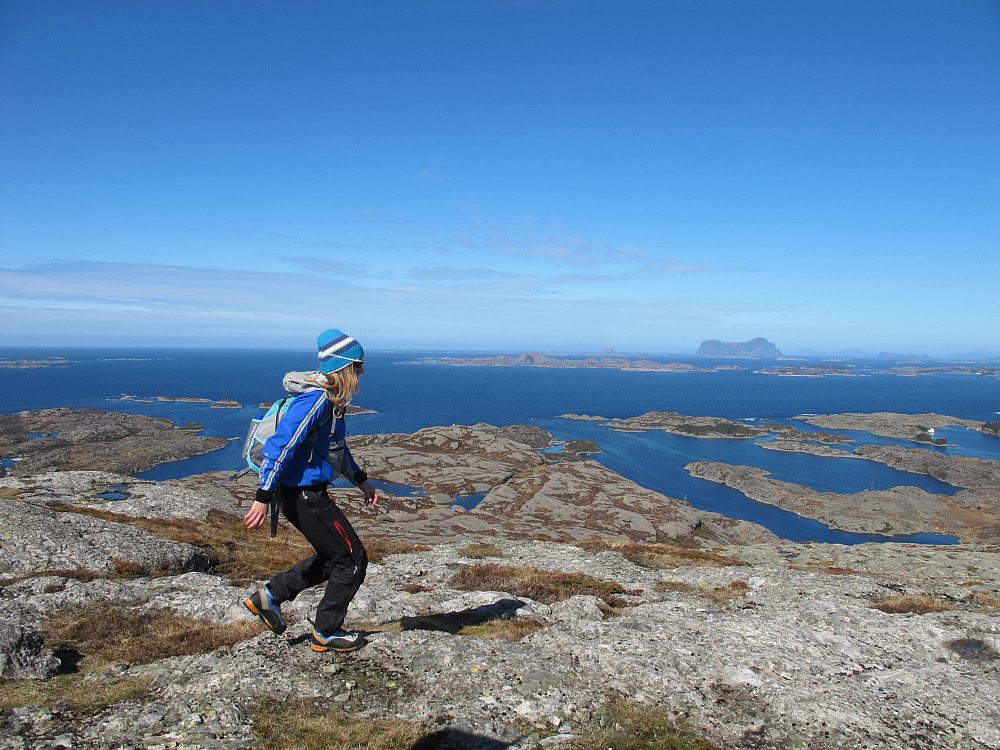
x: 543, y: 586
x: 983, y: 599
x: 378, y: 548
x: 725, y: 594
x: 106, y: 635
x: 660, y: 556
x: 915, y: 604
x: 718, y: 594
x: 307, y: 725
x: 468, y: 623
x: 120, y: 570
x: 481, y: 549
x: 633, y: 727
x: 508, y: 630
x: 70, y: 689
x: 99, y: 636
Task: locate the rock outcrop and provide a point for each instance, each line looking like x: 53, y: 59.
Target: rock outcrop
x: 961, y: 471
x: 888, y: 424
x: 681, y: 424
x: 714, y: 427
x: 526, y: 496
x: 37, y: 538
x: 453, y: 460
x: 93, y: 439
x: 971, y: 515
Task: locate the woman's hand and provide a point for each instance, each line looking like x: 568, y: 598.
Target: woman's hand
x: 371, y: 495
x: 256, y: 516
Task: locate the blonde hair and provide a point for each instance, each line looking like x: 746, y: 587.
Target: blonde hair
x: 340, y: 387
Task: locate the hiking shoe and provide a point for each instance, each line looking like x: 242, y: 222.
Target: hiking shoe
x: 340, y: 640
x: 261, y: 603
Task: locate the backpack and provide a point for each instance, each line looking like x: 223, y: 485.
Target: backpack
x: 263, y: 427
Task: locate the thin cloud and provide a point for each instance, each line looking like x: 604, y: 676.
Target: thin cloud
x: 113, y: 302
x: 442, y: 276
x: 328, y: 267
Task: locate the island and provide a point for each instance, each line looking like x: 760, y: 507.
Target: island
x: 918, y: 427
x: 96, y: 440
x: 758, y: 347
x: 30, y: 364
x: 972, y: 515
x: 535, y: 359
x: 712, y: 427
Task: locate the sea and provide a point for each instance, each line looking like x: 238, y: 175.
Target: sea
x: 408, y: 394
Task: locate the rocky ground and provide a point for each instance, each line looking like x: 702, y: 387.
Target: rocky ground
x: 791, y: 653
x: 753, y: 641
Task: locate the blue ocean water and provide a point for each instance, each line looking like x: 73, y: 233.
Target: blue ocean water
x: 408, y: 396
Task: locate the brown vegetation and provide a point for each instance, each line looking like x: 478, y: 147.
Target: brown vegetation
x: 94, y: 638
x: 915, y: 604
x: 662, y: 556
x: 481, y: 549
x: 717, y: 594
x: 543, y: 586
x: 309, y: 725
x: 983, y: 599
x: 70, y: 689
x: 105, y: 635
x: 626, y: 726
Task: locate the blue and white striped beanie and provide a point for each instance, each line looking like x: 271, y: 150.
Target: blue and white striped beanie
x: 337, y: 350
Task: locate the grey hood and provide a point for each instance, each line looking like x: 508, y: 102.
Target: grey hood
x: 296, y: 383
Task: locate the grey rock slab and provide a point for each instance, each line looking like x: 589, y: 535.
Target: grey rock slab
x: 23, y: 653
x: 124, y: 495
x: 34, y: 538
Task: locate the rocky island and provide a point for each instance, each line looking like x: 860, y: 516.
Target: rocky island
x: 890, y: 424
x: 32, y: 364
x: 567, y: 606
x: 534, y: 359
x: 971, y: 515
x: 94, y: 439
x: 758, y: 347
x: 712, y: 427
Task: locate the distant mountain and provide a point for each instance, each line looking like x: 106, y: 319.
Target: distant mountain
x: 757, y: 347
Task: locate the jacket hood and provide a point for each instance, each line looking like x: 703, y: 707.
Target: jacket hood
x: 296, y: 383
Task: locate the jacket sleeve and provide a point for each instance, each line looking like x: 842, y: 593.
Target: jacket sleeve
x: 305, y: 413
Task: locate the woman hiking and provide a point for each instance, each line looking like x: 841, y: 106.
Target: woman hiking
x: 296, y: 469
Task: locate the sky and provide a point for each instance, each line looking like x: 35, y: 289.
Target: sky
x: 506, y: 175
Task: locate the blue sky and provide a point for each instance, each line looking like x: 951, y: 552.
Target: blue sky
x: 501, y: 174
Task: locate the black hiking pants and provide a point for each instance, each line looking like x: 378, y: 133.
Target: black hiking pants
x: 340, y: 557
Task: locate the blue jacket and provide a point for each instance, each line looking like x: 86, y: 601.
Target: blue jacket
x: 298, y: 454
